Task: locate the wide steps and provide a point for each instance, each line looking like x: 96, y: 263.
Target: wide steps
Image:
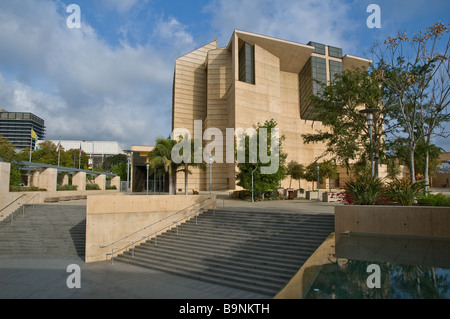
x: 252, y: 251
x: 50, y: 230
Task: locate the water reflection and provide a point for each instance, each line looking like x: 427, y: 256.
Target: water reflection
x: 409, y: 268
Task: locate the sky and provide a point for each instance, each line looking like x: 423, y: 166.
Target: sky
x: 110, y: 79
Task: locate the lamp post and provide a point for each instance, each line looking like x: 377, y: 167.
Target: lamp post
x: 148, y: 165
x: 210, y: 173
x: 154, y: 181
x: 369, y: 117
x: 318, y: 181
x: 128, y: 172
x: 252, y: 181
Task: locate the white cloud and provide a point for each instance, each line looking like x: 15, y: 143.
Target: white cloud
x: 81, y: 86
x: 328, y: 22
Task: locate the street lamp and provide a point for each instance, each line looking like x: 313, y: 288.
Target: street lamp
x: 148, y: 165
x: 318, y: 181
x: 154, y: 181
x: 252, y: 180
x: 128, y: 171
x: 369, y: 116
x: 210, y: 173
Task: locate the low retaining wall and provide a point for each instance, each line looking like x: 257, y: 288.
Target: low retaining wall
x: 44, y: 197
x: 109, y: 218
x: 415, y: 221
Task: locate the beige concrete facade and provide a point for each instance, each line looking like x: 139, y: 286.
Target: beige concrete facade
x: 207, y: 88
x: 416, y: 221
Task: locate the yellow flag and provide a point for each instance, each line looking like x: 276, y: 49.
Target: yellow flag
x: 33, y: 134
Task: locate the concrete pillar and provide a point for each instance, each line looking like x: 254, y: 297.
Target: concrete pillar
x: 115, y: 181
x: 48, y: 179
x: 79, y: 179
x: 33, y: 177
x: 100, y: 180
x: 65, y: 180
x: 5, y: 171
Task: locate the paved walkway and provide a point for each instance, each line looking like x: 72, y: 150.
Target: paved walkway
x: 24, y: 277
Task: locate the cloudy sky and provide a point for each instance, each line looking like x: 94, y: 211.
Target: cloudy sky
x: 111, y: 79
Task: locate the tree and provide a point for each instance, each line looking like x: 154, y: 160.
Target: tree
x: 188, y: 158
x: 338, y: 108
x: 295, y: 171
x: 417, y: 83
x: 7, y: 150
x: 161, y: 156
x: 261, y: 181
x: 399, y: 150
x: 328, y: 169
x: 311, y: 174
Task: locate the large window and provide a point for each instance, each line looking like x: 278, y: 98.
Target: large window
x: 247, y: 63
x: 335, y: 68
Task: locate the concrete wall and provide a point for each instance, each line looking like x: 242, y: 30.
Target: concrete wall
x: 423, y: 221
x: 5, y: 171
x: 109, y: 218
x: 46, y: 179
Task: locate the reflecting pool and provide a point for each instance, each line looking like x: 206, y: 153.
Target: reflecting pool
x: 367, y: 266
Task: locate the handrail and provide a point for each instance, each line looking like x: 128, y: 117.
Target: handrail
x: 30, y: 199
x: 158, y: 221
x: 12, y: 202
x: 23, y: 205
x: 132, y: 242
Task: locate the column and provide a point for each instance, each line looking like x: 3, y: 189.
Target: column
x: 115, y: 181
x: 79, y: 179
x: 48, y: 179
x: 5, y: 171
x: 100, y: 180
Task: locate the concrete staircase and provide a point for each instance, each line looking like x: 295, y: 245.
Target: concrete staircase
x: 253, y: 251
x: 45, y: 230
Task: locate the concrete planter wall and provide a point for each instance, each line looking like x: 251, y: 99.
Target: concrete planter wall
x: 415, y: 221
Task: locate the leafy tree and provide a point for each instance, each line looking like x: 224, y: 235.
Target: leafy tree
x: 311, y: 174
x: 261, y: 182
x: 338, y: 108
x: 328, y: 169
x: 7, y: 150
x: 418, y: 84
x: 73, y: 158
x: 295, y: 171
x: 399, y: 149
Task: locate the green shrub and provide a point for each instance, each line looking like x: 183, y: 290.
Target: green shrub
x: 402, y: 192
x: 111, y: 187
x: 433, y: 200
x: 364, y: 190
x: 92, y: 187
x: 66, y: 188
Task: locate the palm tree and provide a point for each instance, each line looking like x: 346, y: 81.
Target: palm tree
x: 161, y: 155
x: 185, y: 165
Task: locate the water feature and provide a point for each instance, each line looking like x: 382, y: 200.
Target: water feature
x: 399, y: 267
